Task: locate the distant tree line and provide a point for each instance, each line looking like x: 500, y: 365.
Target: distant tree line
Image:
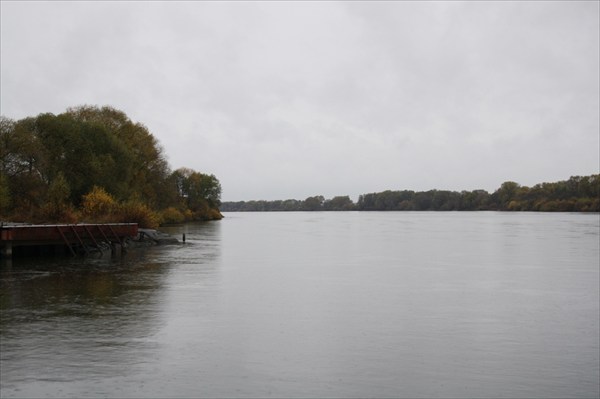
x: 578, y: 194
x: 317, y: 203
x: 95, y: 164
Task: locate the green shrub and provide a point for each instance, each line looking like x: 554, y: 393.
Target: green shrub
x: 172, y: 215
x: 137, y: 212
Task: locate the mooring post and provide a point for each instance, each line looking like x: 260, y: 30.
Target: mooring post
x: 183, y: 237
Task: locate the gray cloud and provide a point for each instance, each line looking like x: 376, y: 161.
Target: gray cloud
x: 291, y: 99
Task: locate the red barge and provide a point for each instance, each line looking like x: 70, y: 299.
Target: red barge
x: 75, y: 237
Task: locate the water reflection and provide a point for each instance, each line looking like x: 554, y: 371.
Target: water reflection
x: 66, y: 318
x: 69, y: 324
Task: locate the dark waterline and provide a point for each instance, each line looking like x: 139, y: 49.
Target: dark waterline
x: 316, y: 305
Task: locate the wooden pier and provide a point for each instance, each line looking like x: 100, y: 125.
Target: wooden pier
x: 77, y: 238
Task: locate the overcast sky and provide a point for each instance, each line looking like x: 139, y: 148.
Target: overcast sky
x: 292, y: 99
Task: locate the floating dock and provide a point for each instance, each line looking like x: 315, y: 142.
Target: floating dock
x: 76, y: 238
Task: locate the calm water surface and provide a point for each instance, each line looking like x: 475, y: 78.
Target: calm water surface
x: 390, y: 304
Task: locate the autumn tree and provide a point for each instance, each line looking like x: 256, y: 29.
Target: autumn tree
x: 146, y: 167
x: 199, y: 192
x: 46, y: 157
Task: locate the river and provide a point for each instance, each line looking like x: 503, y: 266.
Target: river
x: 323, y: 304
